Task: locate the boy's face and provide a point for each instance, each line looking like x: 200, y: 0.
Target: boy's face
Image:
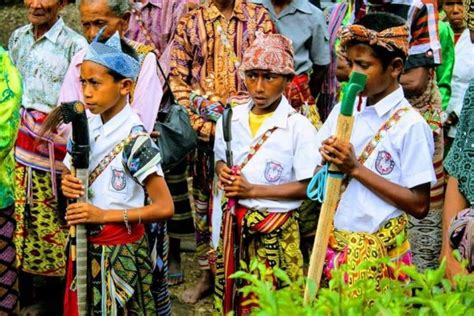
x: 380, y: 81
x: 265, y: 88
x: 455, y: 13
x: 97, y: 14
x: 102, y: 94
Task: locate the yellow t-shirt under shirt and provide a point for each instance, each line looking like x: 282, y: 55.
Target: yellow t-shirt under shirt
x: 255, y: 121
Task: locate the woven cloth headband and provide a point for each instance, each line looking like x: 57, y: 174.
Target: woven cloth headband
x: 111, y: 56
x: 391, y: 38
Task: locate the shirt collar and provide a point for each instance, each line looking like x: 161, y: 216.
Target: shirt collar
x: 213, y: 13
x: 293, y: 6
x: 96, y: 126
x: 278, y: 119
x: 389, y: 102
x: 53, y: 32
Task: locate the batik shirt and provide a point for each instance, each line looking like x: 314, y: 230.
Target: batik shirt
x: 207, y: 51
x: 43, y: 63
x: 460, y: 163
x: 10, y: 100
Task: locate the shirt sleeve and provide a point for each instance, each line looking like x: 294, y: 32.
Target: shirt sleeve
x: 71, y: 88
x: 148, y: 93
x: 417, y: 149
x: 325, y: 132
x: 305, y: 159
x: 320, y: 54
x: 219, y: 145
x: 10, y: 106
x: 180, y: 76
x: 444, y: 72
x: 141, y: 157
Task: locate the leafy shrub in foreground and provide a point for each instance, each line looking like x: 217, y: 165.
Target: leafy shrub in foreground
x: 428, y: 293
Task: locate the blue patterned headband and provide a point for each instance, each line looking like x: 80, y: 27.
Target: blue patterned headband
x: 111, y: 56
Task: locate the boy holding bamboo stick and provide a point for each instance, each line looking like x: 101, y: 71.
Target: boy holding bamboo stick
x: 387, y: 164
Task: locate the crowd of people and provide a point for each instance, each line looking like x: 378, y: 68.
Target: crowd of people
x: 282, y: 66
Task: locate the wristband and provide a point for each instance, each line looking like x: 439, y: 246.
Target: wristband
x: 125, y: 220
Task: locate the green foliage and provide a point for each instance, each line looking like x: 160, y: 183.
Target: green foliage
x: 428, y: 293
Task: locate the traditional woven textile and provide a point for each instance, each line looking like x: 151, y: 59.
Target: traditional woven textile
x: 461, y: 235
x: 353, y: 249
x: 272, y: 52
x: 40, y: 235
x: 8, y: 272
x: 390, y: 39
x: 120, y: 279
x: 272, y: 238
x: 425, y: 234
x: 469, y: 13
x: 111, y: 56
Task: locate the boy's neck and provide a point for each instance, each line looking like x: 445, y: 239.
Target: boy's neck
x: 372, y: 100
x: 113, y: 111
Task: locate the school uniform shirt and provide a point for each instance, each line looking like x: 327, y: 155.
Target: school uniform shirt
x: 120, y: 185
x: 288, y: 155
x: 463, y: 72
x: 403, y: 156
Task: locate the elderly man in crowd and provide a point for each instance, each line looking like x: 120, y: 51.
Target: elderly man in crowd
x: 42, y: 51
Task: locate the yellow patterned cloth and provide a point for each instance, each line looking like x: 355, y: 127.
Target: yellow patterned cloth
x: 272, y: 238
x: 353, y: 249
x: 40, y: 237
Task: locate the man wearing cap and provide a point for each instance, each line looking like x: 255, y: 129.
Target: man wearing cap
x: 273, y: 148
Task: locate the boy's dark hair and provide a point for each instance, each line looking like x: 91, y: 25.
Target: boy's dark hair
x: 127, y: 49
x: 378, y: 22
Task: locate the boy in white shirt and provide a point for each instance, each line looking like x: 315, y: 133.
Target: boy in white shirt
x: 388, y: 161
x: 274, y: 154
x: 124, y: 163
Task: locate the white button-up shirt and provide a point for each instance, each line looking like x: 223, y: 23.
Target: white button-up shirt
x: 114, y: 188
x: 288, y: 155
x: 403, y: 156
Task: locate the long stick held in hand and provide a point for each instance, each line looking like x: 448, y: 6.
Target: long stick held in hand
x: 74, y: 112
x: 333, y: 184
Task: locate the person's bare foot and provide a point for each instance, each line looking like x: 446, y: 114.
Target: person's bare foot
x: 200, y: 290
x: 175, y: 272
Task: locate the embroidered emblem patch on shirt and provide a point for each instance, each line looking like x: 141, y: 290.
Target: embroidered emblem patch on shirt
x: 384, y: 163
x: 273, y: 171
x: 118, y: 180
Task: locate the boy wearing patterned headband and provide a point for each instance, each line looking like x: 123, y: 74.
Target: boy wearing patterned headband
x: 388, y: 162
x: 274, y: 158
x: 124, y: 163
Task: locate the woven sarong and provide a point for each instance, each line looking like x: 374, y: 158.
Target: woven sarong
x: 355, y: 248
x: 8, y: 271
x: 273, y: 238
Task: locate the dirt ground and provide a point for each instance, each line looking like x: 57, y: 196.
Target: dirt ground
x: 14, y: 16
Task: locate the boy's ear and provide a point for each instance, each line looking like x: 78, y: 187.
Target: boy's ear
x: 126, y: 86
x: 123, y: 27
x: 397, y: 67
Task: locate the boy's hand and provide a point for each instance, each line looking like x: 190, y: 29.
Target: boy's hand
x: 225, y: 175
x: 240, y: 188
x: 72, y: 187
x: 340, y: 154
x: 84, y: 213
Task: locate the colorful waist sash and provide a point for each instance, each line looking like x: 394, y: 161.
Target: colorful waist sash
x: 353, y: 248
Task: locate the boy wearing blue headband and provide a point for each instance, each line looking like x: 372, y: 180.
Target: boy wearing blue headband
x: 124, y: 163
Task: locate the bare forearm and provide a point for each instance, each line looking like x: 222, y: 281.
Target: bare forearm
x: 415, y: 201
x: 147, y: 214
x: 288, y: 191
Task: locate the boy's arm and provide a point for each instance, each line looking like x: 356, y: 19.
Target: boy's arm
x: 414, y: 201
